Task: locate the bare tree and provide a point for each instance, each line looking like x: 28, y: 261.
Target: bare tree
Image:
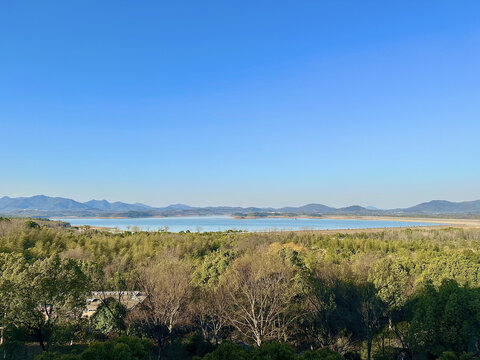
x: 210, y: 309
x: 168, y: 289
x: 260, y: 291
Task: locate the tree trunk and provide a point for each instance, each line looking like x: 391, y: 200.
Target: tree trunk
x: 40, y: 339
x: 258, y: 340
x: 2, y: 341
x: 42, y: 344
x: 369, y: 348
x: 159, y: 348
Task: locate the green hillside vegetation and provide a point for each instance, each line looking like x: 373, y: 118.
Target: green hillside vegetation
x: 233, y: 295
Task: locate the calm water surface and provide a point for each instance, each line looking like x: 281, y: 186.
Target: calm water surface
x: 222, y: 223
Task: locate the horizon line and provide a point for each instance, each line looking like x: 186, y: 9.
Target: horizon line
x: 249, y: 206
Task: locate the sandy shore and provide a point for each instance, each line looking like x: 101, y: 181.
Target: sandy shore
x: 442, y: 221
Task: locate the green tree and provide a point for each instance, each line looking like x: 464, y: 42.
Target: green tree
x: 121, y: 348
x: 373, y: 311
x: 109, y: 317
x: 448, y: 355
x: 227, y: 350
x: 210, y: 267
x: 273, y: 351
x: 445, y: 319
x: 394, y: 281
x: 43, y: 294
x: 333, y: 313
x: 322, y: 354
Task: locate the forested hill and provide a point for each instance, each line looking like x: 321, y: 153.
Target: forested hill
x: 41, y: 205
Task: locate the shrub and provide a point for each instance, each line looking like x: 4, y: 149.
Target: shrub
x: 323, y: 354
x: 273, y: 351
x: 227, y: 350
x: 122, y: 348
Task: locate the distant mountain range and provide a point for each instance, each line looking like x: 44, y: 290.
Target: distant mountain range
x: 47, y: 206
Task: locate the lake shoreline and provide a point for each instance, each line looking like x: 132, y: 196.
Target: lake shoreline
x: 285, y: 224
x: 315, y: 231
x: 441, y: 221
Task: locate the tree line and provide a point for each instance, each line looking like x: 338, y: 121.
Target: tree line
x: 223, y: 295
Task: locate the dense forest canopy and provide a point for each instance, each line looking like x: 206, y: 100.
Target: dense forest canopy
x: 405, y: 293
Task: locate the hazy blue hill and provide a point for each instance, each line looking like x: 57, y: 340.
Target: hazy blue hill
x: 445, y: 207
x: 40, y: 202
x: 177, y: 207
x: 5, y: 202
x: 354, y: 209
x: 309, y: 209
x: 117, y: 206
x: 99, y: 204
x: 41, y: 205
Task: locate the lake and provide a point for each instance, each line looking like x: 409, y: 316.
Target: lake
x: 222, y: 223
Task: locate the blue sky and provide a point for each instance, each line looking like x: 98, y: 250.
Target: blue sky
x: 264, y: 103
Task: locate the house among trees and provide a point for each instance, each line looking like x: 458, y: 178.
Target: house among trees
x: 129, y: 299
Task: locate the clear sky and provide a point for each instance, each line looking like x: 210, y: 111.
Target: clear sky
x: 250, y: 102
